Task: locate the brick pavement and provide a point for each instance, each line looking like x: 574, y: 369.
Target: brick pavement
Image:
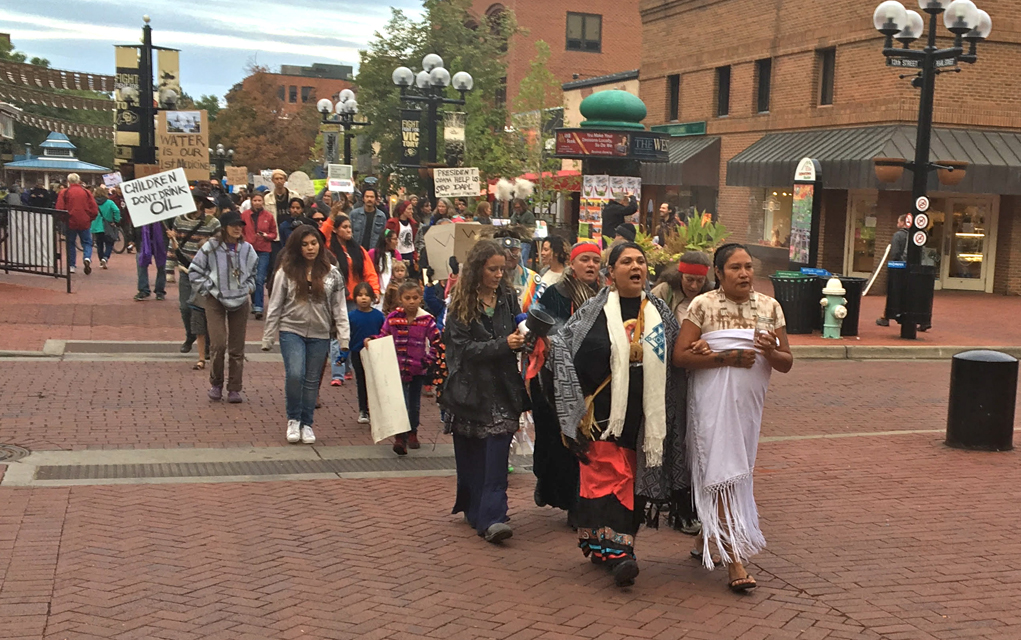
x: 100, y: 308
x: 869, y: 537
x: 52, y: 404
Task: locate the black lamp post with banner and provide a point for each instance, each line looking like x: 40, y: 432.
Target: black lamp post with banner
x: 967, y: 24
x: 431, y: 82
x: 346, y: 110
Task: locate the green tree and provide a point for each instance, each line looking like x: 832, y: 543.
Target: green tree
x: 447, y: 28
x: 211, y: 104
x: 40, y: 62
x: 539, y: 101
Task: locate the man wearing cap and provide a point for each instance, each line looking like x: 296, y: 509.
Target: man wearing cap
x: 190, y: 232
x: 524, y: 280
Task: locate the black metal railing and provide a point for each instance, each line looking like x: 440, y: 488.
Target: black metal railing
x: 32, y: 241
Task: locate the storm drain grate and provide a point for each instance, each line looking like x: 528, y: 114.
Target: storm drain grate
x: 252, y: 468
x: 10, y: 452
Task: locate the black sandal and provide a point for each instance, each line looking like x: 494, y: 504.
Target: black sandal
x: 740, y: 585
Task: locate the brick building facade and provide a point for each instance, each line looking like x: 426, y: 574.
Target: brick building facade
x: 298, y: 86
x: 587, y: 38
x: 761, y: 74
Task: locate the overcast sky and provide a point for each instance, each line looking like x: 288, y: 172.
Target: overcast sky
x: 217, y: 38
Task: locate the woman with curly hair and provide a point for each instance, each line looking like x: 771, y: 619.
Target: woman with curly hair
x: 484, y: 394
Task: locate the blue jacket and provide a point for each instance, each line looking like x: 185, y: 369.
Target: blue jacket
x: 358, y: 220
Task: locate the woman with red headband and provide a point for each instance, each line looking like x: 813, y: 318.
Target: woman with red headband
x: 678, y: 287
x: 554, y: 466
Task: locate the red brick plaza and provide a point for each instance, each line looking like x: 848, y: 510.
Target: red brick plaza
x: 875, y: 528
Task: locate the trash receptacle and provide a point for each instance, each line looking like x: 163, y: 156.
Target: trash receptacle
x: 983, y: 392
x: 797, y: 298
x: 854, y: 287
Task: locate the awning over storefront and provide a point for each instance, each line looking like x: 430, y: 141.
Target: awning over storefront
x: 846, y: 155
x: 694, y: 162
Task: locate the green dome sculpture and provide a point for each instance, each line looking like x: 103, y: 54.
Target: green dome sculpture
x: 613, y: 109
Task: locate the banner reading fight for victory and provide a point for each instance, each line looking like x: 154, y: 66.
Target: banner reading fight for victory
x: 410, y: 120
x: 160, y: 196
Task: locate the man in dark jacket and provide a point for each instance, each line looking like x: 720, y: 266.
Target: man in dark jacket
x: 39, y: 196
x: 81, y: 210
x: 615, y: 213
x: 898, y: 253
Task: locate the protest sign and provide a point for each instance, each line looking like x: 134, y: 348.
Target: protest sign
x: 160, y: 196
x: 340, y: 177
x: 111, y: 180
x: 446, y: 240
x: 457, y: 182
x: 237, y: 176
x: 386, y: 399
x: 261, y: 181
x: 300, y: 183
x: 183, y: 142
x: 319, y: 185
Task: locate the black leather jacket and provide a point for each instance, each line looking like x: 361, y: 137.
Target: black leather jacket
x: 482, y: 370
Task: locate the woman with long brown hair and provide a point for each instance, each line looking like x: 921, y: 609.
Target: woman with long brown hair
x: 308, y: 302
x: 484, y: 395
x: 356, y: 266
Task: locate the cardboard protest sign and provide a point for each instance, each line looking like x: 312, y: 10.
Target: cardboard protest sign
x: 160, y: 196
x: 184, y: 142
x: 237, y: 176
x: 111, y: 180
x: 386, y: 398
x: 299, y: 182
x: 446, y: 240
x: 340, y: 177
x: 457, y: 182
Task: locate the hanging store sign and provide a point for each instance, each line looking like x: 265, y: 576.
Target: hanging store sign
x: 647, y: 146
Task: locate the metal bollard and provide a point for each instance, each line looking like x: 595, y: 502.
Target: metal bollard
x: 983, y: 392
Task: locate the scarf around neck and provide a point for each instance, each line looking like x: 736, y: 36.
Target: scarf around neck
x: 653, y: 341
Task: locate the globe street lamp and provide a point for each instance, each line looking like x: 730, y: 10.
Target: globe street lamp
x: 967, y: 23
x: 220, y: 157
x: 430, y: 85
x: 346, y: 109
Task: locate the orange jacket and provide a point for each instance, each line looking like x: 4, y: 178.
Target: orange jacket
x: 368, y: 275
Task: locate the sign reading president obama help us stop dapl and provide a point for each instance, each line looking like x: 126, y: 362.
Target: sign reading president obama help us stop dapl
x: 160, y: 196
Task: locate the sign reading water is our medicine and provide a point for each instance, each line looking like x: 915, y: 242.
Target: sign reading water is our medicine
x: 158, y: 197
x: 457, y: 182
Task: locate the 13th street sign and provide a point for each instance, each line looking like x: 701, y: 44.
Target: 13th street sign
x: 909, y: 63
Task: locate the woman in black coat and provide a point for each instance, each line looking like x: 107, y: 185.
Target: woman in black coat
x: 484, y: 395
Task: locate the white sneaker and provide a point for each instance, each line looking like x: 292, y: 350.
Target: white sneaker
x: 363, y: 417
x: 293, y: 431
x: 71, y: 269
x: 102, y: 263
x: 307, y: 436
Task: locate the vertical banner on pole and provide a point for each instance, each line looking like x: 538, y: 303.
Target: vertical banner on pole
x: 453, y: 137
x: 168, y: 75
x: 128, y: 115
x: 411, y: 120
x: 805, y: 214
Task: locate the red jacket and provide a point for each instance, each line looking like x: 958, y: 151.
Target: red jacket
x: 267, y: 224
x: 80, y: 206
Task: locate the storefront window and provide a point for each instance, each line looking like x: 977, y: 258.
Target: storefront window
x: 777, y: 205
x: 863, y: 232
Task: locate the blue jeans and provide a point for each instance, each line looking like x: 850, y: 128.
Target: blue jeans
x: 262, y: 270
x: 337, y: 371
x: 303, y: 363
x: 72, y: 250
x: 161, y: 279
x: 413, y: 399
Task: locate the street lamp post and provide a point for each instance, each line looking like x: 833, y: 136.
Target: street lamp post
x: 431, y: 83
x: 220, y: 158
x: 967, y: 23
x: 144, y: 96
x: 346, y: 109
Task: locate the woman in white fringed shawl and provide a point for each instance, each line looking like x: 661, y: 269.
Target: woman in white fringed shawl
x: 730, y: 350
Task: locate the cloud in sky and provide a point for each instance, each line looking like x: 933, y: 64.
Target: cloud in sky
x: 217, y: 38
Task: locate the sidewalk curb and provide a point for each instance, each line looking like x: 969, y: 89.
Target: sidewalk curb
x: 889, y: 352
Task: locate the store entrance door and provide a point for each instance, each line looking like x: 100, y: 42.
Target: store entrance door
x: 962, y: 234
